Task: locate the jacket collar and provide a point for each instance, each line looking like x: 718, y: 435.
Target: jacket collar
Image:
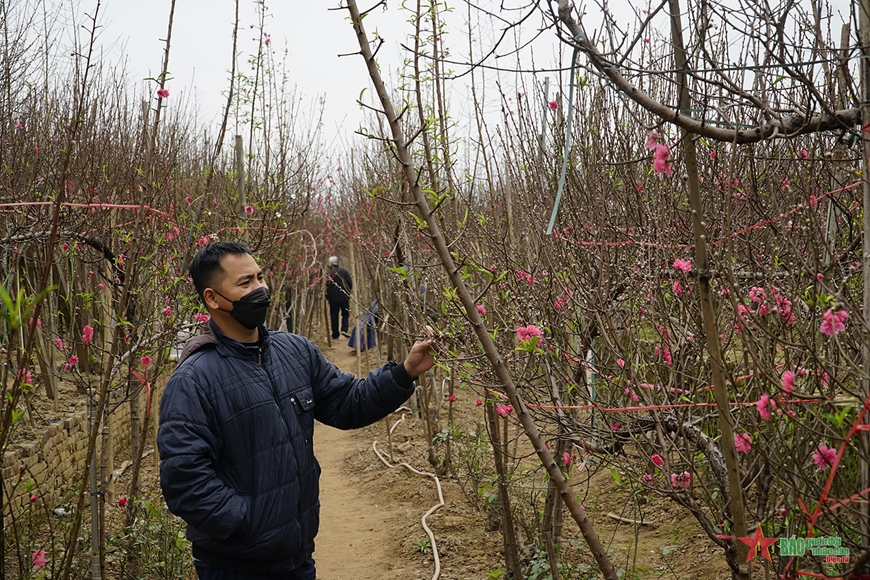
x: 225, y: 345
x: 231, y: 347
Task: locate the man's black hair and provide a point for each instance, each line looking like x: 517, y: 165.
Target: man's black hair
x: 206, y: 266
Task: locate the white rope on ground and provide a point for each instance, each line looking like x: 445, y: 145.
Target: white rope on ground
x: 431, y: 510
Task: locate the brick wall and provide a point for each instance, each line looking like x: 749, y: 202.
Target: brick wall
x: 56, y: 458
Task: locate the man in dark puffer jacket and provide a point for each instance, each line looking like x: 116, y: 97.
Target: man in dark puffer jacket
x: 237, y: 421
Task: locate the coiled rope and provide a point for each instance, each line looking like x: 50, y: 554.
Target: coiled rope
x: 439, y: 505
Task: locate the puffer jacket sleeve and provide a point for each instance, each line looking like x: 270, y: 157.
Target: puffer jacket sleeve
x: 188, y: 452
x: 345, y: 402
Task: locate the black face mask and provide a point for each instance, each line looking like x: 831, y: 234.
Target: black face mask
x: 250, y: 309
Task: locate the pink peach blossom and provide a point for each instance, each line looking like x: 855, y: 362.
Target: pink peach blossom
x: 683, y: 265
x: 504, y: 410
x: 833, y: 321
x: 765, y: 406
x: 757, y: 294
x: 788, y: 381
x: 525, y: 333
x: 824, y: 457
x: 681, y: 479
x: 662, y: 162
x: 743, y: 443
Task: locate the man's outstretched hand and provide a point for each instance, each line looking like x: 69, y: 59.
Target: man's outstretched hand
x: 421, y: 358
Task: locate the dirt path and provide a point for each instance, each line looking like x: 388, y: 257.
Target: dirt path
x: 353, y: 542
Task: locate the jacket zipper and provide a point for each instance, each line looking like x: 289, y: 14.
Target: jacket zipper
x: 275, y: 396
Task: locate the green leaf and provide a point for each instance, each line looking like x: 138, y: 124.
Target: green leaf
x: 401, y: 272
x: 615, y: 475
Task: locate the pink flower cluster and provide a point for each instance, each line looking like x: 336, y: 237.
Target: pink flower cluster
x: 833, y: 321
x: 561, y: 302
x: 26, y: 375
x: 683, y: 265
x: 525, y: 276
x: 481, y: 310
x: 525, y: 333
x: 788, y: 381
x: 662, y: 161
x: 88, y: 334
x: 824, y: 457
x: 681, y: 479
x: 201, y: 318
x: 163, y: 93
x: 504, y: 410
x: 665, y: 353
x: 757, y: 294
x: 69, y: 364
x: 743, y: 443
x: 766, y: 406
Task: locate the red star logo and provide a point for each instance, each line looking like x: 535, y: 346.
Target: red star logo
x: 757, y: 539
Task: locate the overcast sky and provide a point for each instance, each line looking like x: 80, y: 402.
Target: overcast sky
x: 314, y: 36
x: 202, y: 45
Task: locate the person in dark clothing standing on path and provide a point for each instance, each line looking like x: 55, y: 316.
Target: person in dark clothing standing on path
x: 237, y: 422
x: 338, y: 287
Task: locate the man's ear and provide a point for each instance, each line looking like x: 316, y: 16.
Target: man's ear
x: 209, y: 296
